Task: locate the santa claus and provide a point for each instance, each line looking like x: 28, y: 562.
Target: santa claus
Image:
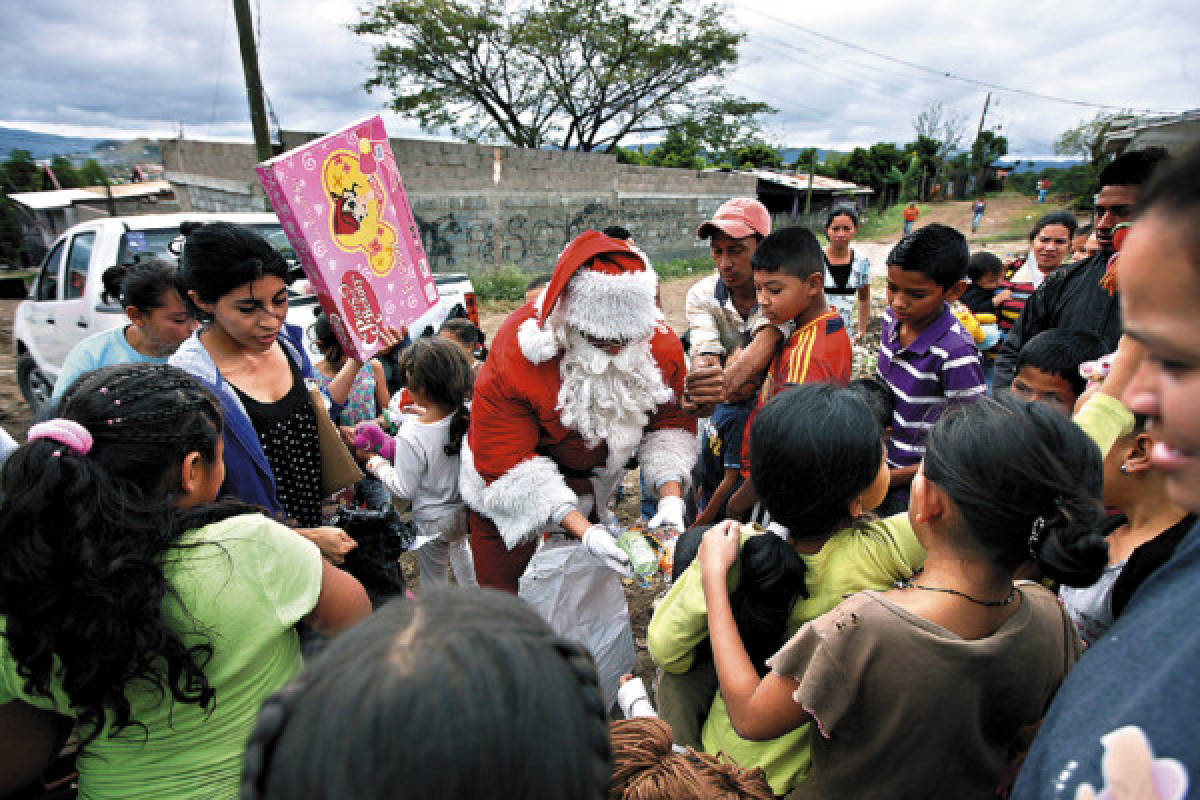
x: 576, y: 383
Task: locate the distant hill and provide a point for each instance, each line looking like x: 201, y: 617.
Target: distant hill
x: 790, y: 154
x: 78, y: 148
x: 43, y: 145
x: 1037, y: 163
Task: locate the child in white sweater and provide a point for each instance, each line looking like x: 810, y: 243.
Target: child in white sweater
x: 424, y: 468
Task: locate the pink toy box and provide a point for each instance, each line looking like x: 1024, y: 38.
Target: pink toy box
x: 344, y: 210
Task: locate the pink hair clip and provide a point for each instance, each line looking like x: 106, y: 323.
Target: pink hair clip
x: 64, y: 431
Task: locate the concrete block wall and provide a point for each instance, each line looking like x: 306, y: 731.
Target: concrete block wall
x: 481, y: 205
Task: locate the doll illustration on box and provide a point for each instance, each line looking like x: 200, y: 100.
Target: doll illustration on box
x: 357, y: 198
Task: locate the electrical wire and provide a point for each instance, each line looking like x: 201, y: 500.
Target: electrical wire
x: 944, y: 74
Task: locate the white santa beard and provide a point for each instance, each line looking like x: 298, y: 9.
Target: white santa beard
x: 609, y: 398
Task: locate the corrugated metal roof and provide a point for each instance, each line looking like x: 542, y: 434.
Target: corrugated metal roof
x: 63, y: 198
x: 44, y: 201
x: 799, y: 181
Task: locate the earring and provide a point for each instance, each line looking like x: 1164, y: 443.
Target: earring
x: 1124, y: 469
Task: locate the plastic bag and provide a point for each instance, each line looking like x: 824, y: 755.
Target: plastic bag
x: 582, y: 600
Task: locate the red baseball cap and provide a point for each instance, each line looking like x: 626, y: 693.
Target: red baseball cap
x: 737, y: 218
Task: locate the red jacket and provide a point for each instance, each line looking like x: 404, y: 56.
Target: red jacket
x: 521, y: 464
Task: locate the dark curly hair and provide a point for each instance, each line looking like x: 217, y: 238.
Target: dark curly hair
x: 82, y: 586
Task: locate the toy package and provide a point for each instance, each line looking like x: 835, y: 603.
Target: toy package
x: 344, y: 210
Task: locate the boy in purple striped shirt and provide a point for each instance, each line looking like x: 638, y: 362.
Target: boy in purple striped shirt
x: 925, y: 356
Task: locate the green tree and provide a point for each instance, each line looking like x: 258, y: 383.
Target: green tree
x: 910, y: 184
x: 678, y: 149
x: 870, y: 166
x: 92, y: 174
x: 943, y: 128
x: 580, y: 74
x: 20, y: 173
x: 1086, y: 140
x: 986, y: 148
x: 758, y: 155
x: 64, y: 170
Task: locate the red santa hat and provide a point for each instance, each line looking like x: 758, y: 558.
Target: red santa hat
x: 602, y: 286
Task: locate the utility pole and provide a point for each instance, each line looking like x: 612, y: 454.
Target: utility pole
x: 987, y: 101
x: 812, y: 167
x: 254, y: 90
x: 979, y: 147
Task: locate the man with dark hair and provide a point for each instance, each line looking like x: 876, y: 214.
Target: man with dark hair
x: 724, y: 322
x: 1078, y: 297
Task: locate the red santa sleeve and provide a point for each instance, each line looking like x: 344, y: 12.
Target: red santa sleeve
x: 501, y: 475
x: 669, y: 447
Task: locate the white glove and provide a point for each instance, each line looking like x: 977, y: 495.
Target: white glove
x: 670, y: 514
x: 634, y: 701
x: 600, y: 543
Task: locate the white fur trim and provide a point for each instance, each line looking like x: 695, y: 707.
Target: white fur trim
x: 668, y: 455
x: 611, y: 306
x: 519, y: 503
x: 538, y: 344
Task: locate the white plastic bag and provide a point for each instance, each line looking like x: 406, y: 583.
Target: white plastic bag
x: 582, y: 600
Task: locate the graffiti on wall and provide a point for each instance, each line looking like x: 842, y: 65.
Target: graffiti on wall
x: 462, y: 239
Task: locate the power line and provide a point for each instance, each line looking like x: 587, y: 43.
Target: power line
x: 864, y: 82
x: 945, y: 74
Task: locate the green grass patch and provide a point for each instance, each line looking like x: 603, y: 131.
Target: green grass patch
x: 503, y: 288
x: 678, y: 268
x: 499, y: 285
x: 886, y: 224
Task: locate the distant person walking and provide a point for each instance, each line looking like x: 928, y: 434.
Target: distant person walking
x: 1043, y: 189
x: 910, y: 217
x: 977, y: 214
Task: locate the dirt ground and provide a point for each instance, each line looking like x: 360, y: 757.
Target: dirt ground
x: 14, y: 414
x: 16, y: 418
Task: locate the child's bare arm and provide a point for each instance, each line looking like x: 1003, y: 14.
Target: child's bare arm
x: 758, y: 710
x: 752, y: 362
x: 709, y: 515
x: 741, y: 502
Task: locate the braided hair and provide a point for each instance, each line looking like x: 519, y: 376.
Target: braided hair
x: 82, y: 587
x: 454, y: 695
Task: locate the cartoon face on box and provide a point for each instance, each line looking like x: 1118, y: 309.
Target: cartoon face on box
x: 357, y: 198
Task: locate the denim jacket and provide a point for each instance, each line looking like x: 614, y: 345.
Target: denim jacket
x: 248, y: 476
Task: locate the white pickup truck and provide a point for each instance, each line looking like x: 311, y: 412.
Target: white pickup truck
x: 65, y: 305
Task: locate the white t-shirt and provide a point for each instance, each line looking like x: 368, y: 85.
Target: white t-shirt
x: 422, y: 472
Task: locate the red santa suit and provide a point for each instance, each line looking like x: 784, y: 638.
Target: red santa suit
x: 544, y: 441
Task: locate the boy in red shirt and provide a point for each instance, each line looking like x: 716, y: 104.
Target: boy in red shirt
x: 789, y: 278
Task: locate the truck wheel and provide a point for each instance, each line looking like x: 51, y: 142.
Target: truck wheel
x: 35, y: 387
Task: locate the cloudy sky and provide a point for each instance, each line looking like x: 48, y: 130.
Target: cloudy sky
x: 146, y: 67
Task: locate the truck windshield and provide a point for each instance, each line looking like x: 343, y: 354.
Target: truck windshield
x: 154, y: 243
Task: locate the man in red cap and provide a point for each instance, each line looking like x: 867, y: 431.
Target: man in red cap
x: 722, y: 311
x: 575, y: 384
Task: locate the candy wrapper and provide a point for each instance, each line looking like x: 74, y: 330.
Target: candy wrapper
x: 650, y: 551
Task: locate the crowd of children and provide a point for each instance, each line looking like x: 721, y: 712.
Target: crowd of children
x: 938, y: 555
